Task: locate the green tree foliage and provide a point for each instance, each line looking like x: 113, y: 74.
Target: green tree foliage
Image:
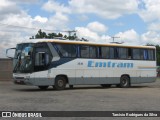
x: 40, y: 34
x: 157, y: 52
x: 43, y: 35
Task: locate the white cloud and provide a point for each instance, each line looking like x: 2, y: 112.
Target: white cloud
x: 151, y: 37
x: 13, y: 16
x: 12, y: 35
x: 8, y: 7
x: 129, y: 37
x: 5, y: 3
x: 97, y: 27
x: 83, y: 32
x: 26, y: 1
x: 109, y: 9
x: 154, y: 26
x: 9, y: 40
x: 151, y: 11
x: 53, y: 6
x: 60, y: 16
x: 57, y: 22
x: 21, y: 19
x: 41, y: 19
x: 105, y: 39
x: 133, y: 38
x: 83, y: 17
x: 93, y: 32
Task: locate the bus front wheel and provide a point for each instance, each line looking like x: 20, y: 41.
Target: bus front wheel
x: 124, y: 81
x: 60, y: 83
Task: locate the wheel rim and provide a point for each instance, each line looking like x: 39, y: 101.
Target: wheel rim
x: 60, y: 83
x: 124, y: 81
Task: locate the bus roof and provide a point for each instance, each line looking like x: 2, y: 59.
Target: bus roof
x: 89, y: 43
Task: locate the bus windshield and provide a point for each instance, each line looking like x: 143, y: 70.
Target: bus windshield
x: 23, y: 62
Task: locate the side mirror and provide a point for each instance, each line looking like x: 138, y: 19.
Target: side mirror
x: 10, y: 52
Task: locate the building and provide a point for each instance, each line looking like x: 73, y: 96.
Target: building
x: 5, y: 69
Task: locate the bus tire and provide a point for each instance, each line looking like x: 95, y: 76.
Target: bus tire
x: 60, y: 83
x: 106, y: 85
x: 124, y: 81
x: 43, y: 87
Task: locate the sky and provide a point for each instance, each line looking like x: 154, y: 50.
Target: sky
x: 135, y: 22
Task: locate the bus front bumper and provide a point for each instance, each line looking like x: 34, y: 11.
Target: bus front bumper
x: 22, y: 79
x: 20, y: 82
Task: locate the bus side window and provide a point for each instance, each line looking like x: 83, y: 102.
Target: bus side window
x: 129, y: 53
x: 105, y: 52
x: 88, y: 51
x: 99, y: 52
x: 92, y: 52
x: 67, y: 50
x: 84, y: 51
x: 151, y: 55
x: 122, y: 53
x: 42, y: 59
x: 145, y: 54
x: 112, y: 54
x: 136, y: 54
x: 116, y: 52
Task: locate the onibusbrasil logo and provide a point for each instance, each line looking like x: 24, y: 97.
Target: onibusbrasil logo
x: 21, y: 114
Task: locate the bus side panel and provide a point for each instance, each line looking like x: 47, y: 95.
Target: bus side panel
x: 91, y: 76
x: 137, y: 80
x: 43, y: 78
x: 107, y: 77
x: 145, y: 72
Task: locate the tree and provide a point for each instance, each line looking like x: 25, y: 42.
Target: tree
x: 65, y: 36
x: 41, y: 34
x: 157, y: 52
x: 31, y: 37
x: 59, y: 35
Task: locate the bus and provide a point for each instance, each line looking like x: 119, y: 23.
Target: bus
x: 59, y: 63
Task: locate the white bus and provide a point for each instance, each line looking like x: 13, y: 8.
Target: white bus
x: 60, y: 62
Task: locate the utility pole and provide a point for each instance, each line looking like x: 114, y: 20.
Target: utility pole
x: 69, y: 32
x: 114, y: 38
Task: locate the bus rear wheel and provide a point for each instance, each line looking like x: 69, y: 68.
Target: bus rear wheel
x: 106, y: 85
x: 43, y: 87
x: 124, y: 81
x: 60, y: 83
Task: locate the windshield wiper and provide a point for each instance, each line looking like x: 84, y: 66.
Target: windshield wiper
x: 16, y: 66
x: 18, y: 63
